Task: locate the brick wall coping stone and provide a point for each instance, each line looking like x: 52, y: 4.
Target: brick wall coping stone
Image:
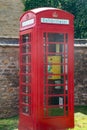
x: 80, y: 41
x: 4, y: 45
x: 75, y: 45
x: 13, y: 37
x: 80, y: 45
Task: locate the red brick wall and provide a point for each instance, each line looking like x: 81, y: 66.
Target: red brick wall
x: 80, y: 75
x: 9, y: 78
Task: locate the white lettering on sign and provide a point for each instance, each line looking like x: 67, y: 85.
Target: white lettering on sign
x: 54, y: 21
x: 28, y: 22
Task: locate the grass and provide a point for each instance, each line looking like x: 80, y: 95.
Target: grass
x: 9, y: 123
x: 81, y: 109
x: 80, y: 120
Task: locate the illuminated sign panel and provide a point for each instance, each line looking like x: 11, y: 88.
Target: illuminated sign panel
x: 28, y: 22
x: 55, y: 21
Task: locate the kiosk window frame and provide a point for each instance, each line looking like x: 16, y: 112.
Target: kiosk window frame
x: 55, y: 74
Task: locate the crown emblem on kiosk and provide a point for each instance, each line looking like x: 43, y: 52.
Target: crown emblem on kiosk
x: 27, y: 16
x: 55, y: 15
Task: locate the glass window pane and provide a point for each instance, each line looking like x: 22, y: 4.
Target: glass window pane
x: 26, y: 48
x: 51, y: 47
x: 55, y: 69
x: 26, y: 38
x: 55, y: 48
x: 26, y: 69
x: 55, y: 58
x: 55, y: 37
x: 56, y: 111
x: 55, y: 100
x: 59, y: 80
x: 26, y: 99
x: 26, y: 89
x: 26, y: 79
x: 55, y: 90
x: 26, y: 59
x: 26, y: 110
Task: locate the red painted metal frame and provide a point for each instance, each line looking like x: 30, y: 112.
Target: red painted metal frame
x: 37, y: 120
x: 63, y: 121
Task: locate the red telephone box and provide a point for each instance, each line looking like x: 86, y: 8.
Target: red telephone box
x: 46, y: 70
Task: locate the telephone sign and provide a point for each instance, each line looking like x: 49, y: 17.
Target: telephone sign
x: 28, y: 22
x: 54, y: 21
